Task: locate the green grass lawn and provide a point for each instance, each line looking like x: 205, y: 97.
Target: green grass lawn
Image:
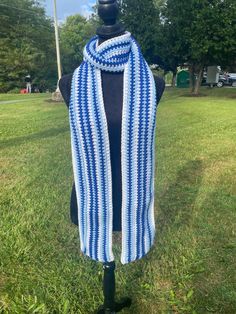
x: 21, y: 97
x: 191, y: 267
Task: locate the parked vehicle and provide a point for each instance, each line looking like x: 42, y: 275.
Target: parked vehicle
x: 227, y: 79
x: 232, y: 79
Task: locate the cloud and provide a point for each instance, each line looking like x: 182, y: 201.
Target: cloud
x: 86, y: 10
x: 70, y: 7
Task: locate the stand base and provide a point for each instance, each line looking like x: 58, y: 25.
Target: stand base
x: 117, y: 307
x: 56, y: 96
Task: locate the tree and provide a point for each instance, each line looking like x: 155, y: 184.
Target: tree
x: 141, y: 18
x: 27, y: 45
x: 157, y: 37
x: 169, y: 44
x: 204, y: 33
x: 74, y: 34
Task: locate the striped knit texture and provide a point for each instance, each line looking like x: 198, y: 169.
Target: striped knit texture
x: 91, y: 150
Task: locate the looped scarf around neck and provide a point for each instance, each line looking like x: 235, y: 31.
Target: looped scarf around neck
x: 91, y: 150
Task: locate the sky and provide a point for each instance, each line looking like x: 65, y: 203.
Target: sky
x: 69, y: 7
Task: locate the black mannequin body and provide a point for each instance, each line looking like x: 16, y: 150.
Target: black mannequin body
x: 112, y: 84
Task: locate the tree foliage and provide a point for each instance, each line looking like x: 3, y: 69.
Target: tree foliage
x: 141, y: 18
x: 200, y: 33
x: 27, y: 45
x: 74, y: 34
x: 171, y: 33
x: 193, y: 32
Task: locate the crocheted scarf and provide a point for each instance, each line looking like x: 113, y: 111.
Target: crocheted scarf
x: 91, y: 150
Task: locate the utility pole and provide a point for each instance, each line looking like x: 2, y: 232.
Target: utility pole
x: 57, y: 95
x: 57, y: 41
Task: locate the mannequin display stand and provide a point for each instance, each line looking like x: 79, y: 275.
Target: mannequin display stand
x: 113, y: 95
x: 110, y: 306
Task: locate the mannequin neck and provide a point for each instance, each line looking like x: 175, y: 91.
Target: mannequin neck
x: 109, y: 31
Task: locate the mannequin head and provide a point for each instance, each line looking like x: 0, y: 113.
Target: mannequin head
x: 108, y: 11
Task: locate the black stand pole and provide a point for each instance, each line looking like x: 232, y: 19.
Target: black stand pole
x: 110, y: 306
x: 108, y: 11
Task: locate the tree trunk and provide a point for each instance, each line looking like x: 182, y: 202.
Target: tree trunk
x: 173, y: 82
x: 198, y: 81
x: 191, y: 78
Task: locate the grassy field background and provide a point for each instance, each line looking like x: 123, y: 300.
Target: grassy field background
x: 191, y: 267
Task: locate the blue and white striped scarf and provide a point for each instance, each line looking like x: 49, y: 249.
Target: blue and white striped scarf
x: 91, y: 150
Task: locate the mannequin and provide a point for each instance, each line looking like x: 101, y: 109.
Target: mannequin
x: 113, y: 97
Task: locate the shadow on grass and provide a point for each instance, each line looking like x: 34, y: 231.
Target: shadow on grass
x: 194, y: 95
x: 215, y: 284
x: 176, y: 203
x: 228, y: 93
x: 175, y: 210
x: 33, y: 137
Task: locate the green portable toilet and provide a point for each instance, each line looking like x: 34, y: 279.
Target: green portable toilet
x: 183, y: 78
